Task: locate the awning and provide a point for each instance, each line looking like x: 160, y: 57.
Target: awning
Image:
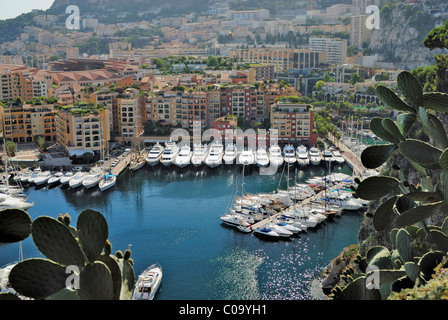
x: 79, y: 152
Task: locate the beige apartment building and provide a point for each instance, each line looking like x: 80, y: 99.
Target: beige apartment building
x: 24, y: 123
x: 334, y: 48
x: 81, y: 128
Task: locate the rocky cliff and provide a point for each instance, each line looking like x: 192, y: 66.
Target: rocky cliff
x: 401, y: 34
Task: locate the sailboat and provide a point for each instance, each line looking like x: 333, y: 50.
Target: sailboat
x: 139, y: 160
x: 108, y: 180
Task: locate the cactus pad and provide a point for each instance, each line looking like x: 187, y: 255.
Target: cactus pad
x: 15, y: 225
x: 92, y: 233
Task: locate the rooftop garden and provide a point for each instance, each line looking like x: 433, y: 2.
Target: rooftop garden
x: 83, y: 108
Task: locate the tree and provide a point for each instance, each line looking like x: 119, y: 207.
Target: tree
x: 355, y: 78
x: 11, y: 148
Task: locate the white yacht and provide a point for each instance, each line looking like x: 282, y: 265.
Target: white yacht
x: 42, y: 178
x: 214, y: 158
x: 230, y: 154
x: 24, y: 178
x: 345, y: 201
x: 107, y: 182
x: 169, y: 154
x: 275, y: 155
x: 337, y: 156
x: 289, y: 154
x: 266, y: 233
x: 282, y: 232
x: 92, y: 179
x: 302, y: 156
x: 155, y: 154
x: 55, y: 178
x: 247, y: 157
x: 315, y: 156
x: 327, y: 156
x: 34, y: 175
x: 262, y: 158
x: 11, y: 202
x: 67, y: 177
x: 76, y: 180
x: 183, y: 159
x: 235, y: 220
x: 199, y: 154
x: 148, y: 283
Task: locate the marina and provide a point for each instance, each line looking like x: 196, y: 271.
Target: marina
x: 171, y: 215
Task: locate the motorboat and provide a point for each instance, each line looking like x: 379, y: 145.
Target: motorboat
x: 148, y: 283
x: 315, y: 156
x: 289, y: 154
x: 275, y: 155
x: 230, y: 154
x: 183, y: 159
x: 11, y: 202
x: 36, y: 172
x: 235, y: 220
x: 262, y: 158
x: 76, y: 180
x: 42, y: 178
x: 107, y: 182
x: 199, y: 155
x: 24, y: 177
x: 169, y: 154
x: 154, y: 155
x: 247, y: 157
x: 245, y: 227
x: 55, y: 178
x: 338, y: 156
x: 214, y: 158
x: 344, y: 201
x: 67, y: 177
x: 302, y: 156
x: 92, y: 179
x: 327, y: 156
x: 266, y: 233
x: 282, y: 232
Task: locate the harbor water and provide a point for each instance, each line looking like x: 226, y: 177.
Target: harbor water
x: 171, y: 216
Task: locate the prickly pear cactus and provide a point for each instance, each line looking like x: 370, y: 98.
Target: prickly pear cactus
x: 404, y: 207
x: 79, y: 262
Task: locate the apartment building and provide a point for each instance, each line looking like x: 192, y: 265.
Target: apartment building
x: 83, y: 128
x: 294, y: 123
x: 24, y: 122
x: 261, y: 72
x: 129, y: 115
x: 359, y: 33
x: 25, y: 83
x: 282, y: 59
x: 334, y: 48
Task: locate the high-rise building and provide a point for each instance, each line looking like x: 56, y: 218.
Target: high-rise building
x: 334, y: 48
x: 359, y: 33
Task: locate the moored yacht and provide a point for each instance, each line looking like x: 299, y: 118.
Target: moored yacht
x: 230, y: 154
x: 56, y: 178
x: 337, y: 156
x: 199, y: 154
x: 275, y: 155
x: 42, y: 178
x: 107, y: 182
x: 214, y: 158
x: 154, y: 155
x: 315, y: 156
x: 169, y: 154
x: 66, y: 178
x: 262, y: 158
x: 327, y: 156
x: 247, y: 157
x: 92, y: 179
x: 302, y: 156
x: 76, y: 180
x: 183, y: 159
x: 289, y: 154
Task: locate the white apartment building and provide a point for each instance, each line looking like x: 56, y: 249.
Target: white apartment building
x: 335, y: 49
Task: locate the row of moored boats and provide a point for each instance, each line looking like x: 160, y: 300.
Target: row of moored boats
x: 215, y: 154
x: 95, y: 178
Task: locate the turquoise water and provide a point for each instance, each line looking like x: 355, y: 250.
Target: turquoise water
x: 172, y: 217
